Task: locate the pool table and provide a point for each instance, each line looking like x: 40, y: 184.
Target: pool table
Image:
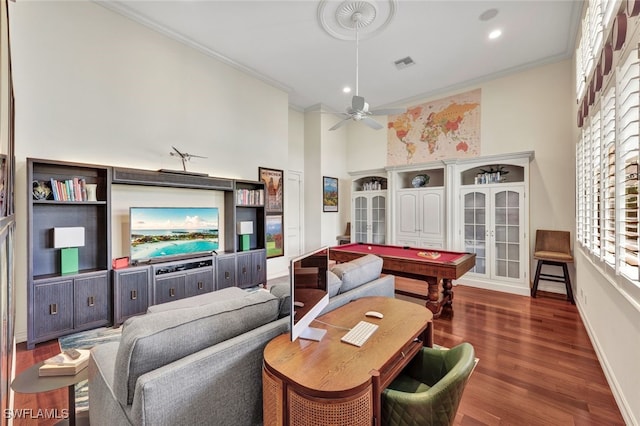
x: 432, y: 266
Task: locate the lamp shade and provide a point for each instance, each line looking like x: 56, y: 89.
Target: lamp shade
x: 244, y: 228
x: 68, y: 237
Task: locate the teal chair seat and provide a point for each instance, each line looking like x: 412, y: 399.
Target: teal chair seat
x: 429, y: 389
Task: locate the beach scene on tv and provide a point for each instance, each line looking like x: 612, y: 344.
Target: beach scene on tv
x: 172, y: 231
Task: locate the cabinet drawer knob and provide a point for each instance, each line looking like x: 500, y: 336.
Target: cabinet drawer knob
x: 200, y: 285
x: 259, y: 267
x: 53, y: 309
x: 227, y: 275
x: 134, y: 294
x: 244, y: 270
x: 91, y: 301
x: 172, y: 292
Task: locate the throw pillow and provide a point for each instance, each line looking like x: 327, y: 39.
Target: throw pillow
x: 359, y: 271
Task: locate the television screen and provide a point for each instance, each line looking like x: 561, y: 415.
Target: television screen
x: 309, y: 296
x: 158, y: 232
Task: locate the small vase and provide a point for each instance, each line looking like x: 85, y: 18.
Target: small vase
x: 91, y: 191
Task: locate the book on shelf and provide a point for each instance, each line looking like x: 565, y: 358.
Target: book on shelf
x: 69, y: 189
x: 63, y: 365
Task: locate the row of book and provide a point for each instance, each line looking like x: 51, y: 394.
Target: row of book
x: 250, y: 197
x: 69, y: 189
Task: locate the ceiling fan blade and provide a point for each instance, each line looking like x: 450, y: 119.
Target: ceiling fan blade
x: 388, y: 111
x: 196, y: 156
x: 372, y: 123
x: 357, y: 103
x: 340, y: 123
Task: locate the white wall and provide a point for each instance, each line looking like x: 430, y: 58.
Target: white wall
x: 92, y: 86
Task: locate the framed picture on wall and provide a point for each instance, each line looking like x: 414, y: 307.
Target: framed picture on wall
x: 274, y: 236
x: 273, y: 182
x: 329, y: 194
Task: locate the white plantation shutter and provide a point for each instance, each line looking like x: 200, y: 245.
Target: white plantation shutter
x: 608, y: 111
x: 580, y: 193
x: 595, y: 182
x: 586, y: 185
x: 627, y: 107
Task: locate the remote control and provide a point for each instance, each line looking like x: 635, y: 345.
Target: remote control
x: 72, y: 353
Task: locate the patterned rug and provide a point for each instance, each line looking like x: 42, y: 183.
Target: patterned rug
x: 87, y: 340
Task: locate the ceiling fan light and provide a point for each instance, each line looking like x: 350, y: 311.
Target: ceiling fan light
x: 346, y: 89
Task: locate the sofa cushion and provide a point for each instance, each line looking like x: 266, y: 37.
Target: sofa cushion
x: 358, y: 271
x: 156, y: 339
x: 283, y: 292
x: 333, y: 284
x: 220, y: 296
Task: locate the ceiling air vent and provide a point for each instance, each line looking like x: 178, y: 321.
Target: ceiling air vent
x: 404, y: 62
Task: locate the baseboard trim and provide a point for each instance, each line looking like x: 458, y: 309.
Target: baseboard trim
x: 495, y: 286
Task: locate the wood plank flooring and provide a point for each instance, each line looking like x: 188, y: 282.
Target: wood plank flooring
x: 537, y: 365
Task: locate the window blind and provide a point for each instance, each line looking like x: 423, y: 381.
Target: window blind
x: 608, y: 111
x: 627, y: 106
x: 595, y: 182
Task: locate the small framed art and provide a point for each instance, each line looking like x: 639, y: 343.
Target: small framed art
x: 274, y: 236
x: 273, y: 182
x: 329, y: 194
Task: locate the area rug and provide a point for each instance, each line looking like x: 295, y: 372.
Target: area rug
x: 87, y: 340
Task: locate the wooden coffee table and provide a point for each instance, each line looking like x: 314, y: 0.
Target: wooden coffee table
x: 306, y: 382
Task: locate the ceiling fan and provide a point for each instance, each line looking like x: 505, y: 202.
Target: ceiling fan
x: 359, y: 109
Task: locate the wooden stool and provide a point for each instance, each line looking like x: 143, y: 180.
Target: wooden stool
x: 553, y: 248
x: 346, y: 238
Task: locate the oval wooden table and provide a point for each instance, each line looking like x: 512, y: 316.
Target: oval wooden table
x: 331, y: 382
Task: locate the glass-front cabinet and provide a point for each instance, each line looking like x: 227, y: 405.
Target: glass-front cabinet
x: 369, y: 207
x: 493, y: 225
x: 491, y: 220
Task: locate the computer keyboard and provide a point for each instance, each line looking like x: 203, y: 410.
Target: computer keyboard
x: 359, y: 334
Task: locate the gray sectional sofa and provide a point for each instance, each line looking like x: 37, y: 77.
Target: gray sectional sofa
x: 198, y: 361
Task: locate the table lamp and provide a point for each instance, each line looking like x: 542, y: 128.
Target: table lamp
x: 244, y: 230
x: 68, y: 239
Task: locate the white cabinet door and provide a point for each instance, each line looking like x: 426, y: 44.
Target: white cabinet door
x: 420, y: 218
x: 493, y: 228
x: 369, y: 218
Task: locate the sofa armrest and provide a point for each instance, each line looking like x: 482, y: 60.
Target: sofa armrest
x: 218, y: 385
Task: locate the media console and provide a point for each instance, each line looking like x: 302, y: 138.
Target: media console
x: 96, y: 295
x: 138, y: 287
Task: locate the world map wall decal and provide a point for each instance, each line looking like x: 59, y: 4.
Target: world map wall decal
x: 437, y: 130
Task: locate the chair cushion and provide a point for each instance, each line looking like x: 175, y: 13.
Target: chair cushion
x: 156, y: 339
x: 407, y: 384
x: 358, y: 271
x: 553, y: 256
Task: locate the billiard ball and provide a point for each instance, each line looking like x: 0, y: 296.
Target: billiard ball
x: 369, y: 247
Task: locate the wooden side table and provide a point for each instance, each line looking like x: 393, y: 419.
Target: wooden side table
x: 29, y: 381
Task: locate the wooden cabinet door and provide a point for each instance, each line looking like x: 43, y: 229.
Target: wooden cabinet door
x: 132, y: 293
x: 244, y: 270
x: 225, y: 271
x: 199, y: 282
x: 52, y: 307
x: 92, y: 300
x: 259, y: 267
x: 168, y: 289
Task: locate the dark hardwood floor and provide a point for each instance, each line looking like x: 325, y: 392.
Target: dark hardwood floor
x: 537, y: 365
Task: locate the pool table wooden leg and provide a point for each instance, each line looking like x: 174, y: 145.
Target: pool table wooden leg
x: 447, y: 299
x: 440, y: 308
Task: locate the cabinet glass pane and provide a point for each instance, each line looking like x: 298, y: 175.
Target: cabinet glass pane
x: 475, y: 228
x: 507, y: 234
x: 360, y: 223
x: 378, y: 228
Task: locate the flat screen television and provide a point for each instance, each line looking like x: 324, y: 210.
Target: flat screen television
x: 309, y: 295
x: 172, y: 232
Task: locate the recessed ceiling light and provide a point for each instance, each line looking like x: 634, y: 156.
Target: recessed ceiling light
x: 495, y: 34
x: 346, y: 89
